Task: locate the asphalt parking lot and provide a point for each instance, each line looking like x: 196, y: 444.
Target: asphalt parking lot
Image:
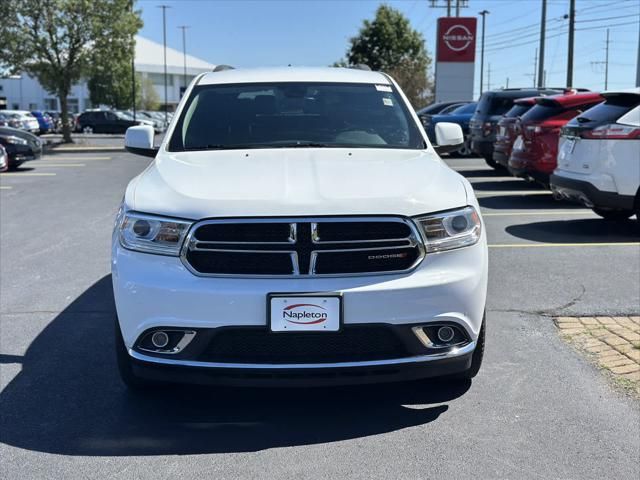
x: 536, y: 410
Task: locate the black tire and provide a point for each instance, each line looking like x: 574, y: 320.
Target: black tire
x: 131, y: 381
x: 493, y: 164
x: 618, y: 215
x: 465, y: 151
x: 476, y: 359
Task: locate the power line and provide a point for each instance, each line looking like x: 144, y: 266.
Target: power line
x: 600, y: 27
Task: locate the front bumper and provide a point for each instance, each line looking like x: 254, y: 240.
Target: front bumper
x: 351, y: 373
x: 584, y: 192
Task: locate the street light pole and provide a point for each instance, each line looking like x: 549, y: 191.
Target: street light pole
x: 184, y: 53
x: 484, y: 14
x: 164, y: 41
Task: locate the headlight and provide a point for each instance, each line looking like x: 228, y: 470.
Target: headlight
x: 16, y: 140
x: 146, y: 233
x: 449, y: 230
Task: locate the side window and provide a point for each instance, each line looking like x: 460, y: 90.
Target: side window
x: 110, y: 116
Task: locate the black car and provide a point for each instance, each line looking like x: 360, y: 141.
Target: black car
x: 491, y: 107
x: 20, y: 145
x: 103, y: 122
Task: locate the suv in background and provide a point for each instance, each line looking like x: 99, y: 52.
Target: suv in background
x: 20, y: 146
x: 535, y: 150
x: 296, y: 226
x: 599, y: 157
x: 103, y: 121
x: 506, y: 134
x: 491, y: 107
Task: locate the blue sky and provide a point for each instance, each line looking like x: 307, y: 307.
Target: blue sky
x: 249, y: 33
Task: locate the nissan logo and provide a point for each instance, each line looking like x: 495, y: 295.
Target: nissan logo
x: 458, y: 38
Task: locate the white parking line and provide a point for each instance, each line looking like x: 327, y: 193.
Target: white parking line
x: 518, y: 214
x: 4, y: 187
x: 514, y: 192
x: 56, y: 158
x: 554, y: 245
x: 27, y: 174
x: 48, y: 165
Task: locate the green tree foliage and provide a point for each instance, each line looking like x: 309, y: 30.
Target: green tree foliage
x: 147, y: 97
x: 389, y: 44
x: 62, y: 41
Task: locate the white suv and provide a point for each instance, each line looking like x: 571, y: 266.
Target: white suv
x: 296, y: 226
x: 599, y: 157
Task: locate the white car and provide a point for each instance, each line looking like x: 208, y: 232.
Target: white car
x: 29, y: 121
x: 599, y: 157
x: 296, y: 226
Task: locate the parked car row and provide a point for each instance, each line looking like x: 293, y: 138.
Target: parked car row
x: 583, y: 145
x: 117, y: 121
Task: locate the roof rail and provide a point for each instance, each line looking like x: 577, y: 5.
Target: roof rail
x: 360, y: 66
x: 222, y: 68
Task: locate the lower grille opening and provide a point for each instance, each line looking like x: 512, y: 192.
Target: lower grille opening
x: 259, y: 345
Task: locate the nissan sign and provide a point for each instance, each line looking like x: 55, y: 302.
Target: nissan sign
x: 456, y: 39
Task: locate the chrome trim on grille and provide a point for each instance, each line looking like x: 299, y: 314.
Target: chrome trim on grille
x: 291, y: 366
x: 413, y: 240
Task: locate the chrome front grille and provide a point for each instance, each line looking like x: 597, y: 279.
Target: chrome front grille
x: 300, y: 247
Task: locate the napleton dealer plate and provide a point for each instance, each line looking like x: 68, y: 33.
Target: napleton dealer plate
x: 306, y: 313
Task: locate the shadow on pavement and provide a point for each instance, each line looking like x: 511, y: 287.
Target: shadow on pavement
x: 68, y: 399
x: 525, y: 202
x: 489, y: 172
x: 506, y: 185
x: 591, y: 230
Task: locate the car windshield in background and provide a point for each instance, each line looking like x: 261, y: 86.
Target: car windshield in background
x: 517, y: 111
x: 468, y: 108
x: 279, y: 115
x: 539, y: 113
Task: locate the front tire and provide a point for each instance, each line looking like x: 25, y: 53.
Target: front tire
x: 476, y: 358
x: 465, y: 151
x: 87, y: 129
x: 492, y: 163
x: 131, y: 381
x: 617, y: 215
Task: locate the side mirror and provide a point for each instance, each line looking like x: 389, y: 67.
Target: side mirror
x: 139, y: 140
x: 449, y: 137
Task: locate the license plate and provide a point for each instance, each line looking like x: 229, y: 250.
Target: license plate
x: 304, y: 313
x: 518, y: 144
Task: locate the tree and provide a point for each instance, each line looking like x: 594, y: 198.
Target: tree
x: 147, y: 98
x: 59, y: 42
x: 388, y: 43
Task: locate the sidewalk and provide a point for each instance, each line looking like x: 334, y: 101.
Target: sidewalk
x: 613, y: 343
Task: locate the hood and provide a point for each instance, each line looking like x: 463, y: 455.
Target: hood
x: 295, y: 182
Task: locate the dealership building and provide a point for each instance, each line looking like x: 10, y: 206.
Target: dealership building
x: 22, y: 92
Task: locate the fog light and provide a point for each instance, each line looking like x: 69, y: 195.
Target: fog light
x: 445, y: 334
x: 160, y: 339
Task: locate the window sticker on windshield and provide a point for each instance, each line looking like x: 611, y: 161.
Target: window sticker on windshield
x: 388, y: 102
x: 383, y: 88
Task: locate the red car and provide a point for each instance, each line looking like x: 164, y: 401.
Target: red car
x: 506, y: 133
x: 535, y: 149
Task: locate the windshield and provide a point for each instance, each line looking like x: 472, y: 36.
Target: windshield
x: 517, y: 110
x: 123, y: 116
x: 468, y: 108
x: 276, y: 115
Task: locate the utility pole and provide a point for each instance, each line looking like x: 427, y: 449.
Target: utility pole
x: 507, y: 82
x: 605, y: 62
x: 164, y: 41
x: 448, y: 4
x: 484, y: 14
x: 133, y: 73
x: 184, y: 54
x: 489, y: 77
x: 543, y: 26
x: 638, y: 62
x: 572, y: 27
x: 535, y: 63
